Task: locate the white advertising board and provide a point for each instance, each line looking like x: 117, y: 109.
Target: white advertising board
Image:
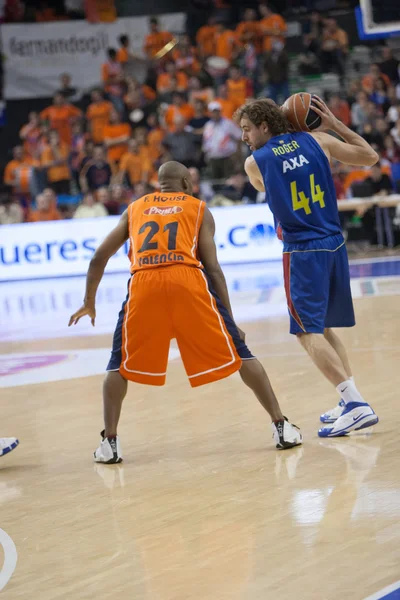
x: 62, y: 248
x: 35, y: 55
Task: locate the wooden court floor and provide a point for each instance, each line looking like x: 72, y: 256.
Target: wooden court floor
x: 204, y: 507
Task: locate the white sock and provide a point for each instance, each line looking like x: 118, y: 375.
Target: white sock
x: 348, y: 391
x: 351, y: 378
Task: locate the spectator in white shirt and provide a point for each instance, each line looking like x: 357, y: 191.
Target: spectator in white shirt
x: 395, y: 133
x: 220, y: 142
x: 90, y: 208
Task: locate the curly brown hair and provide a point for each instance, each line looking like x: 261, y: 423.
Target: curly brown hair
x: 266, y: 111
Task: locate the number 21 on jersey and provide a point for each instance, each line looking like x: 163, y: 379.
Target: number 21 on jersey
x: 300, y: 200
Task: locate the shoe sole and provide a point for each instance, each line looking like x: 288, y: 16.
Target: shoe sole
x: 372, y: 420
x: 112, y: 461
x: 288, y: 445
x: 9, y: 448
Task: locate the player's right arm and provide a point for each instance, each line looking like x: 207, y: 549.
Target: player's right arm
x: 253, y: 172
x: 208, y: 256
x: 353, y: 151
x: 112, y: 243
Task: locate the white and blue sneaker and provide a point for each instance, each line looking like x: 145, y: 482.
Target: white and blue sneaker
x: 355, y: 416
x: 7, y: 444
x: 331, y: 415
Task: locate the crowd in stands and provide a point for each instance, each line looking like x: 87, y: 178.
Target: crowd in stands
x: 104, y: 150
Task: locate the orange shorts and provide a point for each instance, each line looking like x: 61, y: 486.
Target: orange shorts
x: 175, y: 302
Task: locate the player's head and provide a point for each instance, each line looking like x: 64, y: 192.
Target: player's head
x: 173, y: 176
x: 259, y: 121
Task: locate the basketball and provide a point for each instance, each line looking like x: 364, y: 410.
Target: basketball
x: 298, y: 110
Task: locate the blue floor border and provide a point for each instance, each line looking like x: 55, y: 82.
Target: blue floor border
x: 391, y: 592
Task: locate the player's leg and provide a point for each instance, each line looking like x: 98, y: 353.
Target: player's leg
x: 331, y: 415
x: 339, y: 348
x: 211, y: 349
x: 323, y: 355
x: 356, y: 414
x: 253, y: 374
x: 7, y: 445
x: 319, y: 297
x: 114, y: 392
x: 140, y: 353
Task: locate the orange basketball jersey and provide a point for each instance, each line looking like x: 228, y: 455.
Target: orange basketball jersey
x: 163, y: 230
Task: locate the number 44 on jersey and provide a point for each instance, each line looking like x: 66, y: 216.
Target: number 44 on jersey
x: 301, y: 201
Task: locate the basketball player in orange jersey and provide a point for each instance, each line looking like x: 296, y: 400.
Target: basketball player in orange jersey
x: 176, y: 290
x: 293, y: 168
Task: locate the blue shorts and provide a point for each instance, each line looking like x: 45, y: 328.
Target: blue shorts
x: 317, y: 285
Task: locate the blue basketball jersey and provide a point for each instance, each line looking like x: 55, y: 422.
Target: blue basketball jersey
x: 299, y: 187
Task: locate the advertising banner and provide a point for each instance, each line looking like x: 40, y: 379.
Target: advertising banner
x: 63, y: 248
x: 35, y: 55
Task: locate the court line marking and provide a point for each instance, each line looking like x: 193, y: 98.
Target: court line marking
x: 383, y: 593
x: 377, y: 259
x: 10, y: 558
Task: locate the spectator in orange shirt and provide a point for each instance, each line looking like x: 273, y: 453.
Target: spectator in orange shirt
x: 66, y: 89
x: 369, y: 80
x: 238, y: 87
x: 340, y: 109
x: 133, y: 167
x: 30, y: 134
x: 98, y: 115
x: 112, y: 75
x: 60, y: 116
x: 273, y: 26
x: 123, y: 53
x: 248, y: 31
x: 141, y: 137
x: 334, y: 47
x: 18, y: 174
x: 226, y: 41
x: 164, y: 79
x: 227, y: 106
x: 178, y: 109
x: 116, y: 136
x: 198, y: 91
x: 185, y: 56
x: 45, y: 210
x: 156, y: 39
x: 55, y: 159
x: 205, y: 38
x: 155, y: 137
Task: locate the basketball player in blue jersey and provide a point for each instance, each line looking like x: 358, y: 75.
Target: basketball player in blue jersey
x: 294, y: 171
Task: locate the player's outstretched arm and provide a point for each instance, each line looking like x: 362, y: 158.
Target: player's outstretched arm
x: 208, y: 256
x: 112, y: 243
x: 253, y: 173
x: 353, y: 151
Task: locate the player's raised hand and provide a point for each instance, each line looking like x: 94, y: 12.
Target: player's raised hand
x: 86, y: 309
x: 328, y: 119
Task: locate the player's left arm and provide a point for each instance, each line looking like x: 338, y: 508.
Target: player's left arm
x: 253, y: 172
x: 208, y: 256
x: 354, y: 150
x: 112, y: 243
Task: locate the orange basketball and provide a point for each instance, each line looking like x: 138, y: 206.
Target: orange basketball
x: 298, y: 110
